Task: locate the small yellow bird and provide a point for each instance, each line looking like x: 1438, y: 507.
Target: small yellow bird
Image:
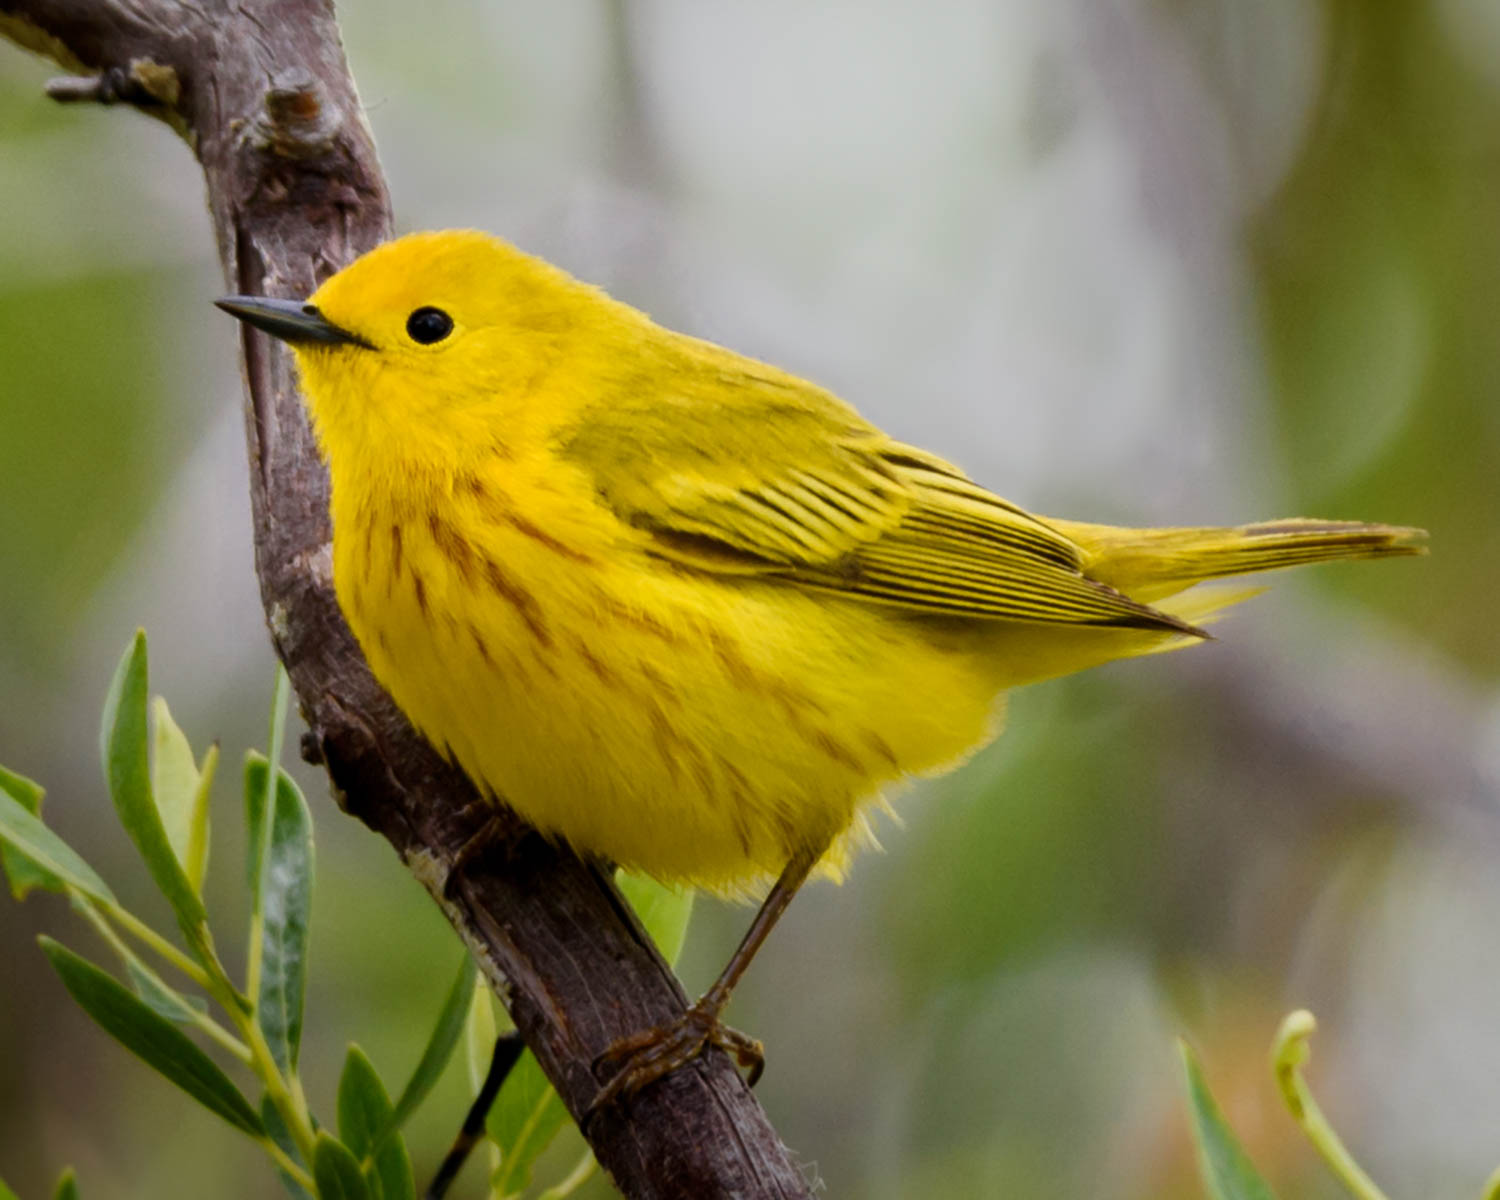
x: 678, y: 608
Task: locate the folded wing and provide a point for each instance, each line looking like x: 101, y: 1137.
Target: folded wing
x: 760, y: 474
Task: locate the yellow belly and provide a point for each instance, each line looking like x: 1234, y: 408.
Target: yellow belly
x: 698, y: 729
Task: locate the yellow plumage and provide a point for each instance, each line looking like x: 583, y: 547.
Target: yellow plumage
x: 680, y: 608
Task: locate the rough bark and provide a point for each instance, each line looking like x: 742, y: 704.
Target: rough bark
x: 262, y: 94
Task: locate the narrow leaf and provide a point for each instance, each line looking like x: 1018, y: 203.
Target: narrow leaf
x: 24, y: 873
x: 278, y: 1132
x: 364, y: 1111
x: 285, y: 905
x: 479, y: 1037
x: 336, y: 1171
x: 1227, y: 1171
x: 258, y: 846
x: 53, y: 859
x: 524, y: 1119
x: 445, y: 1035
x: 6, y: 1193
x: 152, y: 1038
x: 160, y: 998
x: 67, y: 1186
x: 664, y: 911
x: 196, y: 861
x: 174, y: 779
x: 181, y: 789
x: 363, y: 1105
x: 28, y: 791
x: 127, y: 770
x: 480, y: 1032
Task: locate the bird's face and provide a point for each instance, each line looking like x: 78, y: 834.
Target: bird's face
x: 435, y: 343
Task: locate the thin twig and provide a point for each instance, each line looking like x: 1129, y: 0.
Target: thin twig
x: 203, y: 1021
x: 508, y: 1047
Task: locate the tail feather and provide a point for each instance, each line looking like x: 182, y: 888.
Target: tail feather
x: 1150, y: 564
x: 1158, y: 566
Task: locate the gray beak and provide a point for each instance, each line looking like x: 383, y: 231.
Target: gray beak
x: 290, y: 320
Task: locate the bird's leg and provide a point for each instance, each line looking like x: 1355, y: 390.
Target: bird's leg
x: 645, y: 1057
x: 508, y: 1047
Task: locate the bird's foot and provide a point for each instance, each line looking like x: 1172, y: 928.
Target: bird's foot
x: 645, y: 1057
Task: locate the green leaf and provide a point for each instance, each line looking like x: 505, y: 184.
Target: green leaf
x: 524, y: 1119
x: 128, y: 772
x: 162, y: 999
x: 363, y: 1105
x: 1227, y: 1170
x: 336, y: 1171
x: 480, y: 1031
x: 174, y: 776
x: 278, y: 1132
x: 196, y: 863
x: 285, y: 904
x: 67, y: 1186
x: 258, y: 846
x: 152, y: 1038
x: 6, y: 1193
x: 439, y: 1049
x: 181, y: 793
x: 52, y: 857
x: 24, y: 874
x: 664, y: 911
x: 364, y: 1112
x: 480, y: 1048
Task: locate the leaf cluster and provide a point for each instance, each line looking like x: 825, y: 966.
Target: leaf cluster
x: 177, y: 1007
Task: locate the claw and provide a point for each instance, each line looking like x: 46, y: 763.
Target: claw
x: 645, y: 1057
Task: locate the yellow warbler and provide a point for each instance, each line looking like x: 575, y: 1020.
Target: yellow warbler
x: 681, y: 609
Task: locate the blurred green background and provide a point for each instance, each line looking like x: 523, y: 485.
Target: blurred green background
x: 1146, y: 261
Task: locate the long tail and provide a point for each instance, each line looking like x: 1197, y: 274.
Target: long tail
x: 1154, y: 565
x: 1151, y: 564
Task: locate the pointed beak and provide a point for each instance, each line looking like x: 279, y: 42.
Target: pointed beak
x: 290, y: 320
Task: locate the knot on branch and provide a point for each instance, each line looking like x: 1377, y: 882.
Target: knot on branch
x: 297, y: 123
x: 311, y: 748
x: 144, y: 83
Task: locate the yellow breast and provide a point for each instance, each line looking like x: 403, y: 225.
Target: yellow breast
x: 696, y: 730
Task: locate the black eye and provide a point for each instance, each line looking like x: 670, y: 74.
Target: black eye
x: 428, y: 325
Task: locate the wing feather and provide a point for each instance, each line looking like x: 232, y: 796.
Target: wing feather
x: 754, y: 472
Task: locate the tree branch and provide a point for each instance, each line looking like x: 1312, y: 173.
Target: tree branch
x: 262, y: 94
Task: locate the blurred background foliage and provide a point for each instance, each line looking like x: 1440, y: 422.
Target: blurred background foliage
x: 1146, y: 260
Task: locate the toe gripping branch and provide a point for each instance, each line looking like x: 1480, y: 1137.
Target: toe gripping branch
x: 645, y: 1057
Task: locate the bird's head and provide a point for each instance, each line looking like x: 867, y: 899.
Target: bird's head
x: 438, y: 344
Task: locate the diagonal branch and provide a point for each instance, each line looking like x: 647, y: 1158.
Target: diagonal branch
x: 262, y: 94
